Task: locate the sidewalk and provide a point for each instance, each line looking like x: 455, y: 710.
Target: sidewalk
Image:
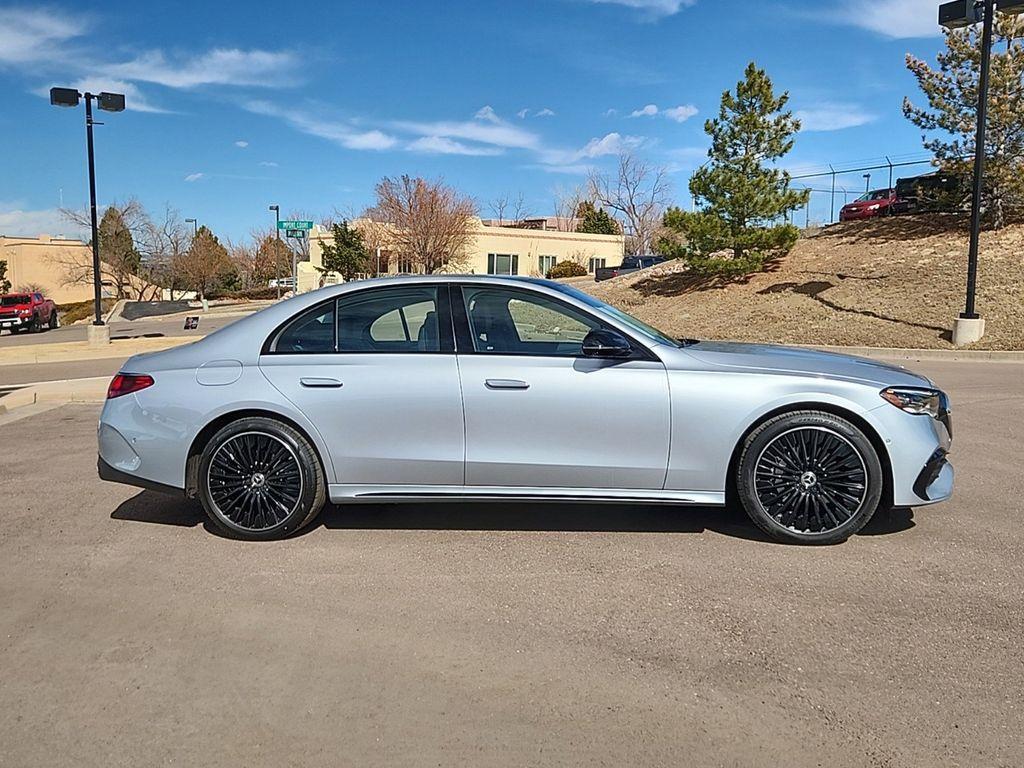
x: 81, y: 350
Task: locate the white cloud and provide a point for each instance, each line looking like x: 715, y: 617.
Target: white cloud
x: 610, y: 144
x: 681, y: 113
x: 340, y: 133
x: 241, y: 144
x: 30, y: 34
x: 611, y: 112
x: 496, y: 134
x: 896, y: 19
x: 268, y: 164
x: 545, y: 113
x: 16, y: 220
x: 220, y: 66
x: 442, y: 145
x: 194, y: 177
x: 649, y: 111
x: 651, y: 9
x: 522, y: 113
x: 487, y: 113
x: 833, y: 116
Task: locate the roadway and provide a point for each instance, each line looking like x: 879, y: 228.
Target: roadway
x: 121, y: 329
x: 510, y: 634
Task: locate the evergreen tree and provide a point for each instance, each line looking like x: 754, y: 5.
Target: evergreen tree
x: 347, y: 254
x: 5, y: 284
x: 742, y: 192
x: 951, y: 115
x: 117, y: 246
x: 595, y: 221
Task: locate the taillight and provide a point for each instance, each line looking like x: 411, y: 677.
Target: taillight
x: 126, y: 383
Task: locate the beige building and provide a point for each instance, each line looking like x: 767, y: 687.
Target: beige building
x: 38, y: 261
x: 495, y: 250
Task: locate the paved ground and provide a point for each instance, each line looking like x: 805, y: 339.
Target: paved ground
x: 510, y: 634
x: 119, y: 329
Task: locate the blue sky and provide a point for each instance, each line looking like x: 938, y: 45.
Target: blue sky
x: 234, y: 106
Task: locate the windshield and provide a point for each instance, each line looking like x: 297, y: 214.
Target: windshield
x: 878, y: 194
x: 637, y: 325
x: 13, y: 301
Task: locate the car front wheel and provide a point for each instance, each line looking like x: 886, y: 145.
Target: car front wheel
x: 260, y: 479
x: 809, y: 477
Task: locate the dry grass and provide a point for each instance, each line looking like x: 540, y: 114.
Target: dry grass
x: 884, y: 283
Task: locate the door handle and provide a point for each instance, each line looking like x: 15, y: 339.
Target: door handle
x: 318, y: 383
x: 506, y: 384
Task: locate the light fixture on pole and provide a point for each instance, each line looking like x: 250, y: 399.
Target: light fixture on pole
x: 195, y: 227
x: 867, y: 183
x: 108, y: 102
x: 970, y: 327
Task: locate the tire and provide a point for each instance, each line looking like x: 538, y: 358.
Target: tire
x: 260, y: 479
x: 783, y: 478
x: 53, y: 323
x: 34, y: 326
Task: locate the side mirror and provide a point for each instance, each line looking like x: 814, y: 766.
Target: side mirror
x: 605, y: 343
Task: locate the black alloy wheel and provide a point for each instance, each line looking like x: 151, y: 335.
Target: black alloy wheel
x: 260, y: 479
x: 809, y: 477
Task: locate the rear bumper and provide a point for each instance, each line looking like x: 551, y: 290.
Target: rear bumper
x: 113, y: 475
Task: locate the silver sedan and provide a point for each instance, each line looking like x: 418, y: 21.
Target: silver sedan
x: 445, y: 388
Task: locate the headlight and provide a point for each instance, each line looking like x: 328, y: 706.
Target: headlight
x: 917, y: 401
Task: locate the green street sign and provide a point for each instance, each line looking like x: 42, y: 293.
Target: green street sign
x: 296, y: 234
x: 305, y: 225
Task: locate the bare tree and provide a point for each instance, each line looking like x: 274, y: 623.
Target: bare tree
x: 638, y: 193
x: 519, y: 210
x: 567, y: 205
x: 431, y: 224
x: 123, y: 228
x: 163, y: 242
x: 498, y: 207
x: 264, y: 258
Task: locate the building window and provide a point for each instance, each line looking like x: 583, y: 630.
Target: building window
x: 545, y: 264
x: 595, y: 264
x: 405, y: 266
x: 502, y: 264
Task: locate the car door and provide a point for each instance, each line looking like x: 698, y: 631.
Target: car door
x: 539, y: 413
x: 375, y: 371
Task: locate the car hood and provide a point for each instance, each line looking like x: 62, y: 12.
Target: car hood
x: 770, y: 358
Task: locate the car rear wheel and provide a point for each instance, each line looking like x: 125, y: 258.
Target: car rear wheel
x: 809, y: 477
x: 260, y: 479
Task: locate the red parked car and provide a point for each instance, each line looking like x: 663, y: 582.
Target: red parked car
x: 880, y: 202
x: 26, y: 311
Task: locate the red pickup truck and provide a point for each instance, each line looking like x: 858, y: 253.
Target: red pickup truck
x: 26, y: 311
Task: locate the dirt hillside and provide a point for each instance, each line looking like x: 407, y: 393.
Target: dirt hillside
x: 885, y: 283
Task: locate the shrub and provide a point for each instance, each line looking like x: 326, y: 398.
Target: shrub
x: 566, y: 269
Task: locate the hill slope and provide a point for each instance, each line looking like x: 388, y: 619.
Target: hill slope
x: 886, y: 283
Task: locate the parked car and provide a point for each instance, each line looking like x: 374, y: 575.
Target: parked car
x: 27, y: 312
x: 880, y: 202
x: 439, y: 388
x: 629, y: 265
x: 931, y: 192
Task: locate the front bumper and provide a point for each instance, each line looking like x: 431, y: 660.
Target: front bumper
x: 13, y: 322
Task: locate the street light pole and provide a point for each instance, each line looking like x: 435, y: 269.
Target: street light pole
x: 969, y: 312
x: 195, y: 227
x: 867, y: 183
x: 96, y: 285
x: 108, y: 102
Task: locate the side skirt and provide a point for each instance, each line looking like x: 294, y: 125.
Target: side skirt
x: 440, y: 493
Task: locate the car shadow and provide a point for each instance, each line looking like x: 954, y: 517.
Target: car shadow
x: 161, y: 509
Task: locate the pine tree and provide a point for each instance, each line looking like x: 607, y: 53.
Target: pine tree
x: 5, y: 284
x: 595, y: 221
x: 347, y: 255
x: 206, y: 265
x: 951, y: 115
x: 117, y: 246
x: 741, y: 191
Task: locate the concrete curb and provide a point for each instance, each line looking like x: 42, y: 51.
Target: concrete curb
x: 943, y: 355
x: 92, y: 390
x: 115, y: 311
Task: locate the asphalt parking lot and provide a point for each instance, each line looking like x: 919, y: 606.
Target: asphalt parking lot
x: 511, y: 634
